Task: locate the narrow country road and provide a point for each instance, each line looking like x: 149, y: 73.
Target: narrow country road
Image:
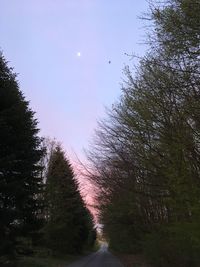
x: 102, y: 258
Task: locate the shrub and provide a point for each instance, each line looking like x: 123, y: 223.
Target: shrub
x: 174, y: 245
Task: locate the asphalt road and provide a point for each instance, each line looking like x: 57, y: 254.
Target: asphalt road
x: 101, y: 258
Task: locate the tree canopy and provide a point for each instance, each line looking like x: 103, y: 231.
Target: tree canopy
x: 20, y: 153
x: 69, y: 223
x: 146, y: 153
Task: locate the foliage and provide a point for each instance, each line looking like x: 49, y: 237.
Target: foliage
x: 146, y: 154
x: 20, y: 152
x: 69, y: 223
x: 174, y: 245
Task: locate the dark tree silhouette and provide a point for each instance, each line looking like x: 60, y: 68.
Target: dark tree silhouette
x: 19, y: 156
x: 69, y: 223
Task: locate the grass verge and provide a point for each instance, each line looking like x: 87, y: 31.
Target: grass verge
x: 129, y: 260
x: 46, y: 261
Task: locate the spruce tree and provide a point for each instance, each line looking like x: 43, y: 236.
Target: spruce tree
x: 19, y: 156
x: 68, y: 220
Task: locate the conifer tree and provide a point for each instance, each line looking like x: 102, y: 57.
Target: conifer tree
x: 68, y: 220
x: 19, y: 156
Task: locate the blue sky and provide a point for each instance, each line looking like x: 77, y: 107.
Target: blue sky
x: 41, y: 39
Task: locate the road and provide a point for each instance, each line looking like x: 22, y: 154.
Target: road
x: 101, y: 258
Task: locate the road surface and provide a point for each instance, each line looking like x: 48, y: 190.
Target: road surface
x: 102, y: 258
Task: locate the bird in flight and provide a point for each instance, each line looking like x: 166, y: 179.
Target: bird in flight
x: 109, y: 62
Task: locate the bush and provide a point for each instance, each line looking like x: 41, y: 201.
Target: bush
x: 174, y: 245
x: 124, y: 240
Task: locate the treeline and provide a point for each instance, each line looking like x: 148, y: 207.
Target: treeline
x: 40, y: 203
x: 146, y: 153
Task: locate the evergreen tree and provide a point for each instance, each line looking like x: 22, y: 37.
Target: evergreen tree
x: 19, y: 155
x: 68, y: 220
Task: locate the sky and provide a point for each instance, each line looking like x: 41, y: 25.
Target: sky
x: 69, y: 56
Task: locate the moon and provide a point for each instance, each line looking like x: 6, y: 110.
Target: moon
x: 78, y: 54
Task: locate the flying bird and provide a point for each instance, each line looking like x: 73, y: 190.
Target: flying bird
x: 109, y: 62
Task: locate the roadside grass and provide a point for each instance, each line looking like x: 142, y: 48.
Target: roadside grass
x: 97, y: 246
x: 45, y: 258
x: 46, y: 261
x: 129, y: 260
